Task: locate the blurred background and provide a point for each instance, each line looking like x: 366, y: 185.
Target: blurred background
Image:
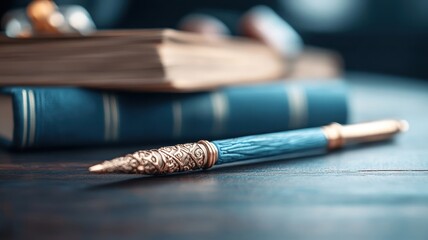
x: 384, y: 36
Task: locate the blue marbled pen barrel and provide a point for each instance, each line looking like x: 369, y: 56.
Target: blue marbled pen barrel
x: 274, y: 145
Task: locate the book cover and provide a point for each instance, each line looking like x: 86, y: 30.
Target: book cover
x: 41, y: 117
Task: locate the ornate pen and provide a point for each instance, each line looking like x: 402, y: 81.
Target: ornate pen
x: 205, y: 154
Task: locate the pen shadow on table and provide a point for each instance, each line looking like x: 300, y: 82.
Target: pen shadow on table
x: 212, y: 174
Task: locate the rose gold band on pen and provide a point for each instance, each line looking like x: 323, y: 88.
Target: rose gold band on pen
x: 212, y: 153
x: 334, y: 136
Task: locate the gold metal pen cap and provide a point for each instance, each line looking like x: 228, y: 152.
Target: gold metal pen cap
x: 339, y: 135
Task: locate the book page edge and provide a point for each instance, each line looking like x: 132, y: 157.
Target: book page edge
x: 6, y: 117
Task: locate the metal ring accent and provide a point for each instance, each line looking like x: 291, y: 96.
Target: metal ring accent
x: 212, y: 153
x: 333, y: 133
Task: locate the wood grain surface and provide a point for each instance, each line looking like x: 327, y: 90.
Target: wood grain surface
x: 378, y: 191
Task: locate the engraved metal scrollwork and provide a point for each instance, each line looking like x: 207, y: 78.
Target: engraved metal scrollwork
x: 165, y: 160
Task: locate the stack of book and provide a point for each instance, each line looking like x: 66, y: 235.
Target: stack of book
x: 157, y: 86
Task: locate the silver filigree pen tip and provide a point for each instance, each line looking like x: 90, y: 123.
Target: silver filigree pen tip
x: 164, y: 160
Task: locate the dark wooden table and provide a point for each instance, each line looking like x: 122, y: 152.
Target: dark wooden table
x: 372, y: 192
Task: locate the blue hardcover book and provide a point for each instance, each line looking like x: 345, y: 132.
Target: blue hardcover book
x: 41, y: 117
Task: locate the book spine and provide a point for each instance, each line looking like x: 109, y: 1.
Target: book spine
x: 58, y: 117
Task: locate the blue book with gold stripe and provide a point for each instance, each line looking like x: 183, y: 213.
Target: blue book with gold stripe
x: 41, y: 117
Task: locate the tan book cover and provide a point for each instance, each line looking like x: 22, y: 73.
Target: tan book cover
x: 148, y: 60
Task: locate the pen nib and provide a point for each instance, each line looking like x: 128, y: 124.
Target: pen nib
x: 97, y: 168
x: 117, y: 165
